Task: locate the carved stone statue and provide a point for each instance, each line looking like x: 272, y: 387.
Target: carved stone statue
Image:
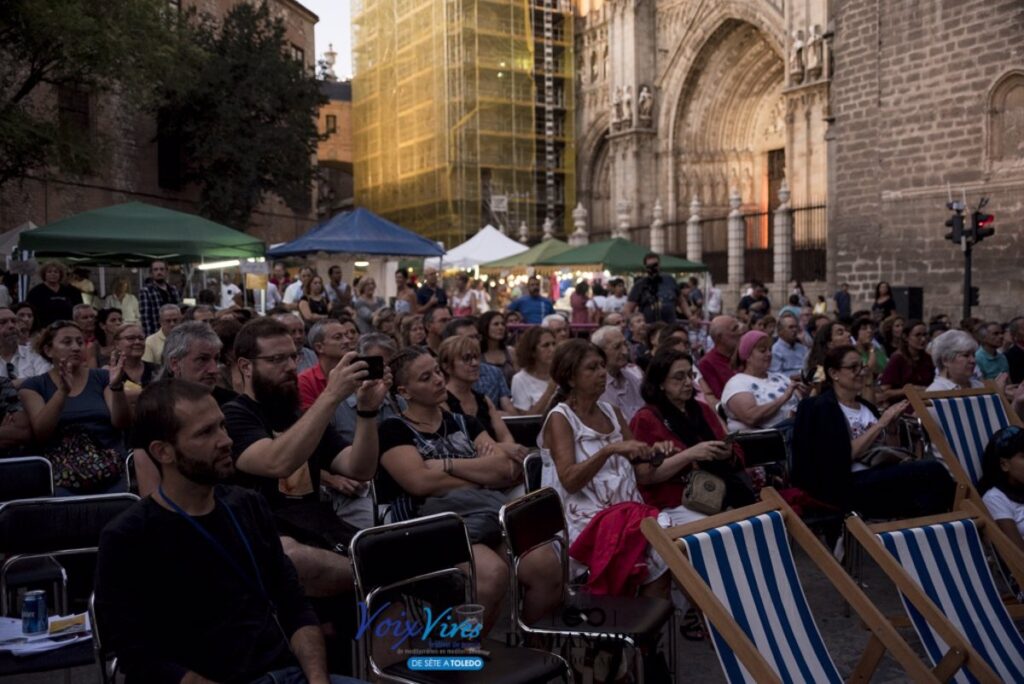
x: 645, y: 105
x: 627, y: 107
x: 796, y: 58
x: 549, y: 228
x: 813, y: 53
x: 747, y: 185
x: 617, y: 105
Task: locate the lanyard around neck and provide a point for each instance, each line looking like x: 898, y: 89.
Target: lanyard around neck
x: 247, y: 577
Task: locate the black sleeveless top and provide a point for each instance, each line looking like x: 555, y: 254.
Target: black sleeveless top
x: 483, y: 413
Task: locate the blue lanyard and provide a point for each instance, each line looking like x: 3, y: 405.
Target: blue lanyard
x: 220, y: 547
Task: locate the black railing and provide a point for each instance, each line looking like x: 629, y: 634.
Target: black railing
x: 810, y: 227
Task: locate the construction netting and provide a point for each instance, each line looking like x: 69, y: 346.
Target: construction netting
x: 462, y: 114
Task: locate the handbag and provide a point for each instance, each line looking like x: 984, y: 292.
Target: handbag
x: 478, y: 509
x: 884, y: 455
x: 704, y: 493
x: 79, y: 463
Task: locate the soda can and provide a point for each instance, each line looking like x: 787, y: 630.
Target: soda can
x: 34, y: 617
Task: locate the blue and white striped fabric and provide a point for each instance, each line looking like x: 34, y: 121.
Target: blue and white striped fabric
x: 947, y: 560
x: 749, y: 566
x: 968, y: 423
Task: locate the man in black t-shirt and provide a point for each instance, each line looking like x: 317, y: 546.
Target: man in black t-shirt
x: 280, y: 454
x: 192, y: 584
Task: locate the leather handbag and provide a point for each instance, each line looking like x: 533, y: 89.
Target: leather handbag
x: 704, y: 493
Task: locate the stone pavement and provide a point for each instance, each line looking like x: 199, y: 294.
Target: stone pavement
x: 697, y: 661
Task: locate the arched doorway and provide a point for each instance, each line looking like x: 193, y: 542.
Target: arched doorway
x: 730, y: 133
x: 601, y: 206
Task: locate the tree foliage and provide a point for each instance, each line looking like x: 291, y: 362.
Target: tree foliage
x: 87, y: 44
x: 245, y: 116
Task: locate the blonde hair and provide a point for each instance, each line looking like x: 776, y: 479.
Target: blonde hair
x: 453, y: 348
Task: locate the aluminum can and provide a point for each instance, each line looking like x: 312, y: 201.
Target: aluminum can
x: 34, y: 618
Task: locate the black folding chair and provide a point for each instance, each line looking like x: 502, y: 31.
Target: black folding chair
x: 533, y: 468
x: 525, y: 429
x: 25, y: 477
x: 536, y: 520
x: 429, y: 562
x: 54, y: 527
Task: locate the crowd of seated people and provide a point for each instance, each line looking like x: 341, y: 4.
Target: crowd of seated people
x: 265, y: 432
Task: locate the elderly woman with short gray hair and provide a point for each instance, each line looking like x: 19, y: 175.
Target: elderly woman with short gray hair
x: 953, y: 353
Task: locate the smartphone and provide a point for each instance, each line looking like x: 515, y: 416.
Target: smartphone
x: 375, y: 365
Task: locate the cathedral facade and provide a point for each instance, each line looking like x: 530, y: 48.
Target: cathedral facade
x: 850, y: 116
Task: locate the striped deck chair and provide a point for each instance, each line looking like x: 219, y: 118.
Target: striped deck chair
x: 960, y: 423
x: 738, y: 569
x: 939, y: 566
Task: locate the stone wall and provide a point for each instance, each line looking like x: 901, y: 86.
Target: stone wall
x: 926, y: 94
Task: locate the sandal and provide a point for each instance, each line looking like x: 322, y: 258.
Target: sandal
x: 692, y: 626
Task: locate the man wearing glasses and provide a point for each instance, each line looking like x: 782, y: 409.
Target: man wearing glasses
x: 281, y: 454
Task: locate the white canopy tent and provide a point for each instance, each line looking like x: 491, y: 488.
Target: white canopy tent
x: 487, y: 245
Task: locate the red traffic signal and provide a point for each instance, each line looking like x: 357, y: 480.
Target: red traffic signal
x: 982, y: 225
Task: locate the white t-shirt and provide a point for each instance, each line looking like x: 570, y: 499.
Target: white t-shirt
x: 859, y: 420
x: 293, y: 293
x: 273, y: 296
x: 1003, y: 507
x: 941, y: 384
x: 765, y: 390
x: 613, y: 304
x: 527, y: 390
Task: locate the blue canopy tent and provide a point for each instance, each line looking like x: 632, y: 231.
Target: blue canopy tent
x: 359, y: 232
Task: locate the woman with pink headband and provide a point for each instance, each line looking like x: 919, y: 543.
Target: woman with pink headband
x: 755, y: 398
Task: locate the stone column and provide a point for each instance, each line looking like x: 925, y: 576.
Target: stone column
x: 622, y: 208
x: 694, y: 233
x: 737, y: 238
x: 579, y: 236
x: 782, y: 244
x: 658, y: 229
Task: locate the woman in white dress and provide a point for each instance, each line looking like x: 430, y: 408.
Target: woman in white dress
x: 590, y: 456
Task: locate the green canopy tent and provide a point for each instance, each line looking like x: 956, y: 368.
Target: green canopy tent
x: 136, y: 233
x: 618, y: 256
x: 520, y: 262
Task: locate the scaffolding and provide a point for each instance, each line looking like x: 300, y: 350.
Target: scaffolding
x: 463, y: 114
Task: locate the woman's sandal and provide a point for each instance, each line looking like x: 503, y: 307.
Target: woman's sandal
x: 692, y: 626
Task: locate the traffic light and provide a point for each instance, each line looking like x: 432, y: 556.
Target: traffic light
x: 973, y: 297
x: 956, y: 226
x: 981, y: 225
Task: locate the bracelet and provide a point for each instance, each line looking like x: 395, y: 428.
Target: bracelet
x: 368, y: 414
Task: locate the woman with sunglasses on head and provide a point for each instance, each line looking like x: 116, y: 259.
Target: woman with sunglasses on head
x: 460, y: 360
x: 435, y: 461
x: 108, y: 322
x: 1002, y: 482
x: 840, y: 457
x: 672, y: 414
x: 78, y: 414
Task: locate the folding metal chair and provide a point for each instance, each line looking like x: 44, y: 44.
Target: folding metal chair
x: 533, y: 470
x: 959, y: 424
x: 938, y: 564
x: 537, y: 520
x: 739, y: 570
x: 525, y: 429
x: 429, y: 560
x: 54, y: 527
x: 25, y: 477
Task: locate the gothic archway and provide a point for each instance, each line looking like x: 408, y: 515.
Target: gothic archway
x: 729, y: 118
x: 600, y: 184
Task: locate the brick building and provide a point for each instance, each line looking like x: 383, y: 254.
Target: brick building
x: 334, y: 152
x: 866, y: 110
x: 133, y: 171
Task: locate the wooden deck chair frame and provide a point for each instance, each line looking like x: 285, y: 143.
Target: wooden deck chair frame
x: 965, y: 488
x: 961, y: 653
x: 885, y: 637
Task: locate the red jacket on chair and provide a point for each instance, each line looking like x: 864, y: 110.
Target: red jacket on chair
x: 613, y: 548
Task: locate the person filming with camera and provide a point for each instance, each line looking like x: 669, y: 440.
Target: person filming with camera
x: 655, y: 295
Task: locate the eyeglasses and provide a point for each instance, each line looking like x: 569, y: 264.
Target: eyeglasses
x: 132, y: 338
x: 278, y: 359
x: 470, y: 358
x: 857, y: 368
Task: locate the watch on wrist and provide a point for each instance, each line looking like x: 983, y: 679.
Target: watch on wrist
x: 367, y: 414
